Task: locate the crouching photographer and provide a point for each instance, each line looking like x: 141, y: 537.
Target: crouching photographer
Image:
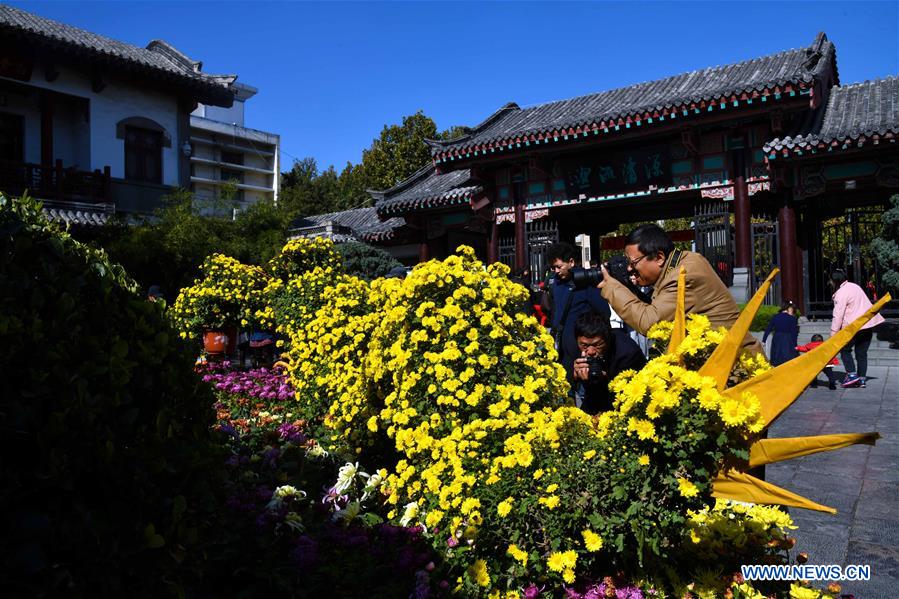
x: 605, y: 352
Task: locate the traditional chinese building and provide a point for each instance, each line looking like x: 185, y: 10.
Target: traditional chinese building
x: 94, y: 126
x: 773, y: 162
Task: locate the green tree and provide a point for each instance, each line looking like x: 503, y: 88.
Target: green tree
x: 168, y: 249
x: 886, y: 247
x: 300, y: 195
x: 399, y: 151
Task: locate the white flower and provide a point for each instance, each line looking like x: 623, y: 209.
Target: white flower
x: 353, y: 509
x: 345, y: 477
x: 284, y: 492
x: 316, y: 451
x: 410, y: 513
x: 374, y: 483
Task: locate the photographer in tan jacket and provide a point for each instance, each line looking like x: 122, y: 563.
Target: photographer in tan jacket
x: 654, y: 261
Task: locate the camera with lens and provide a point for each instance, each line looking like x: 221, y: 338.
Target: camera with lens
x: 618, y: 269
x: 596, y: 368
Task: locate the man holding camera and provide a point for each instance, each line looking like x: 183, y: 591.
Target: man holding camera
x: 605, y: 352
x: 653, y: 260
x: 569, y: 301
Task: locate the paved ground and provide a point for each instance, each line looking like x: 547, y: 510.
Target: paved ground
x: 862, y: 482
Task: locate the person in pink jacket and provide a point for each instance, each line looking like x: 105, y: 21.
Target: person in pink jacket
x: 850, y: 302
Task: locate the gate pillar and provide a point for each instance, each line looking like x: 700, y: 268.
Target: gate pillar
x: 790, y: 257
x: 521, y: 248
x: 742, y: 213
x: 493, y: 240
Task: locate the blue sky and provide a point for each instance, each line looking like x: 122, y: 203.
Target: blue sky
x: 332, y: 74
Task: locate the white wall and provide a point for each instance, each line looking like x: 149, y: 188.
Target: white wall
x: 235, y: 114
x: 117, y: 101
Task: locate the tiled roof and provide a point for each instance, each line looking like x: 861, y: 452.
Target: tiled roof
x: 426, y: 189
x: 76, y: 213
x: 159, y: 59
x: 362, y: 222
x: 855, y: 115
x: 713, y: 88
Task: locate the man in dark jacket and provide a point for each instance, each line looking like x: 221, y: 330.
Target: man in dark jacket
x: 569, y: 303
x: 605, y: 353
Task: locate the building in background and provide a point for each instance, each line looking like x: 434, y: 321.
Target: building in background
x: 224, y: 152
x: 94, y: 126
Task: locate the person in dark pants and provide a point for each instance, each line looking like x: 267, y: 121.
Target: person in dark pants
x: 850, y: 302
x: 569, y: 303
x: 785, y: 327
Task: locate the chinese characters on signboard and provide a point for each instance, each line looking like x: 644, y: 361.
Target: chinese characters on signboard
x: 607, y: 174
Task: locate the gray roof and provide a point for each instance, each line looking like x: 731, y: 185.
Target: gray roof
x: 426, y: 189
x: 362, y: 223
x: 77, y: 213
x: 854, y: 115
x: 793, y: 68
x: 158, y: 60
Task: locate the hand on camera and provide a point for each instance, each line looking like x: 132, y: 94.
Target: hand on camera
x: 605, y: 276
x: 581, y: 369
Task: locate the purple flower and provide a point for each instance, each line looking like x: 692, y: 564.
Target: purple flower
x: 532, y: 591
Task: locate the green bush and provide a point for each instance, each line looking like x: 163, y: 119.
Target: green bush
x: 762, y: 317
x: 104, y: 427
x: 365, y: 261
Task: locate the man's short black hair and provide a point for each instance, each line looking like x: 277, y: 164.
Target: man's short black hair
x: 563, y: 251
x: 650, y: 239
x: 838, y: 277
x: 593, y: 324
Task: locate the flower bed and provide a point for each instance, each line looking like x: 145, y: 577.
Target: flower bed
x: 461, y: 406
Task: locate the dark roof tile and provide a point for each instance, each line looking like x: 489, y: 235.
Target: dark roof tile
x: 159, y: 57
x: 793, y: 67
x: 363, y: 222
x: 426, y: 189
x: 853, y: 115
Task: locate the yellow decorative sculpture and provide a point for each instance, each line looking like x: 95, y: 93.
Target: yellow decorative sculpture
x: 776, y: 389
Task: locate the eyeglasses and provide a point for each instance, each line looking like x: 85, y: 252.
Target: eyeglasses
x: 633, y: 263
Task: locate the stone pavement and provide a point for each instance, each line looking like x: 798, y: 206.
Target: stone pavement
x: 861, y: 482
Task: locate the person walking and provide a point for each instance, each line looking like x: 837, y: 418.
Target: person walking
x: 850, y: 302
x: 785, y: 328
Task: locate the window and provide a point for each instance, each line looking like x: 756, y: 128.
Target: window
x: 229, y: 175
x: 11, y: 135
x: 143, y: 155
x: 232, y: 157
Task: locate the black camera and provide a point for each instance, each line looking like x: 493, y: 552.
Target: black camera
x: 618, y: 269
x: 596, y: 368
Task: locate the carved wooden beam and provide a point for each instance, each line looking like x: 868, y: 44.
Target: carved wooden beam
x: 690, y: 139
x: 777, y: 121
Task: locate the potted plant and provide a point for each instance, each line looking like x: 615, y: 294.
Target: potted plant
x: 226, y: 297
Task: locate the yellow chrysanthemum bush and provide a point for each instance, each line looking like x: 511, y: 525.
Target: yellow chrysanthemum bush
x: 227, y: 294
x: 302, y: 255
x: 513, y: 486
x: 329, y: 371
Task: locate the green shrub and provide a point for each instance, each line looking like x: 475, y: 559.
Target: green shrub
x: 104, y: 427
x: 762, y: 317
x: 365, y: 261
